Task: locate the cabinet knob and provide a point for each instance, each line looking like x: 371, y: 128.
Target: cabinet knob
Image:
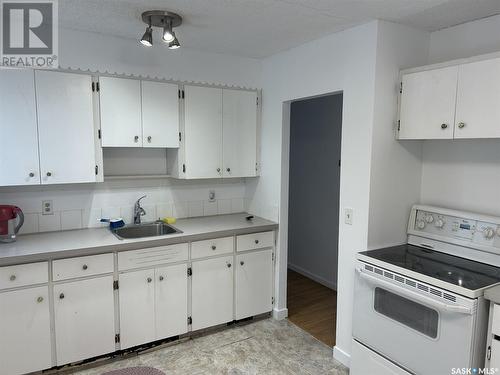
x: 149, y: 139
x: 161, y: 278
x: 214, y: 247
x: 136, y: 139
x: 32, y: 174
x: 218, y: 170
x: 84, y: 267
x: 49, y: 174
x: 228, y: 170
x: 256, y: 242
x: 149, y: 279
x: 61, y: 296
x: 461, y: 125
x: 242, y: 263
x: 444, y: 126
x: 12, y: 277
x: 39, y: 299
x: 229, y: 265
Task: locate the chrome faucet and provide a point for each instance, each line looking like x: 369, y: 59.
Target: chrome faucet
x: 138, y: 210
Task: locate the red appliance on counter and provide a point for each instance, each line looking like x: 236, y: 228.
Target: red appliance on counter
x: 11, y: 220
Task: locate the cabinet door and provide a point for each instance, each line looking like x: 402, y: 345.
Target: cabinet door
x: 212, y: 292
x: 65, y: 127
x: 137, y: 308
x: 478, y: 99
x: 239, y: 124
x: 428, y: 104
x: 203, y: 132
x: 25, y: 344
x: 254, y: 283
x: 171, y: 301
x: 120, y: 103
x: 160, y: 114
x: 18, y: 129
x: 84, y: 319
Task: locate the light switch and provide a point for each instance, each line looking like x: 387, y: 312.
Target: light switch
x: 348, y: 214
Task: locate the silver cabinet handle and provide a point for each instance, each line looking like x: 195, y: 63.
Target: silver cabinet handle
x: 229, y: 265
x: 136, y: 139
x: 461, y: 125
x: 49, y: 174
x: 242, y: 263
x: 149, y: 279
x: 39, y: 299
x: 214, y: 247
x: 256, y: 242
x: 228, y: 170
x: 161, y: 278
x: 61, y: 296
x: 444, y: 126
x: 84, y: 267
x: 218, y: 170
x: 12, y: 277
x: 149, y: 139
x: 32, y: 174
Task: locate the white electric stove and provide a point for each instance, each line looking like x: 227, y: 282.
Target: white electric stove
x: 419, y: 307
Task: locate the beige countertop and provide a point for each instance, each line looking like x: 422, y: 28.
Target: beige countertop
x: 54, y: 245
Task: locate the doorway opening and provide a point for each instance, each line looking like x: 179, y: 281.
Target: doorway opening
x: 313, y: 214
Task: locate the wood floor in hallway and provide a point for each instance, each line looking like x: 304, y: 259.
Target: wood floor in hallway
x: 312, y: 307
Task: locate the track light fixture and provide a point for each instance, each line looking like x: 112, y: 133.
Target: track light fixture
x: 164, y: 20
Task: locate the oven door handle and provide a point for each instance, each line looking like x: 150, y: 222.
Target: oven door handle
x: 414, y: 295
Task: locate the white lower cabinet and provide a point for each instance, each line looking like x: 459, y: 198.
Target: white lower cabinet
x: 254, y: 280
x: 25, y: 344
x: 212, y: 292
x: 84, y: 319
x: 153, y: 304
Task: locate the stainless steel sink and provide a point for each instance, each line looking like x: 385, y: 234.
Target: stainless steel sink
x: 145, y: 230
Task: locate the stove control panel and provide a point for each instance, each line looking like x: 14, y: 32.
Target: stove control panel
x: 450, y: 224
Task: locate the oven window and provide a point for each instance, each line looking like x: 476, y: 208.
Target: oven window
x: 405, y: 311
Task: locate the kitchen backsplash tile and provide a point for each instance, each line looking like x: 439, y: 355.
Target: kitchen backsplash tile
x: 195, y: 208
x: 237, y: 205
x: 164, y: 210
x: 210, y: 208
x: 224, y: 206
x: 71, y: 219
x: 30, y: 224
x: 49, y: 223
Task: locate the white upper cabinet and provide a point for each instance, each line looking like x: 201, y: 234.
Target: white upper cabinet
x: 203, y: 132
x: 65, y: 127
x: 19, y: 164
x: 478, y: 100
x: 428, y: 104
x: 120, y: 103
x: 160, y: 114
x: 239, y: 123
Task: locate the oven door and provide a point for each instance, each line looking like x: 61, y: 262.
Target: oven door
x: 400, y: 319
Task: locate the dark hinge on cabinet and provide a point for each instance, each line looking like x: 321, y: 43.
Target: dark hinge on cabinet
x: 180, y: 136
x: 190, y: 271
x: 99, y: 134
x: 117, y: 338
x: 399, y: 125
x: 179, y: 94
x: 272, y: 257
x: 190, y: 320
x: 97, y: 86
x: 96, y: 170
x: 339, y: 162
x: 183, y: 94
x: 183, y: 168
x: 93, y: 86
x: 115, y: 285
x: 401, y: 87
x: 257, y: 100
x: 272, y: 300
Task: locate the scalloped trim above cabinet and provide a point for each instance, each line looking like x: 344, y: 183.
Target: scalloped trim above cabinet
x: 455, y: 100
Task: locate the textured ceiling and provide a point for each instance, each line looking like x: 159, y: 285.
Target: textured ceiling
x: 259, y: 28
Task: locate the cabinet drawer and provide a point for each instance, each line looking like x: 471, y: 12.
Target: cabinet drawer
x: 495, y: 324
x: 24, y: 274
x: 216, y: 246
x: 255, y: 241
x: 70, y: 268
x: 152, y: 256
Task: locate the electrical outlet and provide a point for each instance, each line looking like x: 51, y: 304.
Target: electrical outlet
x: 348, y: 214
x: 47, y: 208
x: 211, y: 195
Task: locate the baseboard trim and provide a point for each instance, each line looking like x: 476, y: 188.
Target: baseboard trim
x: 280, y: 314
x: 312, y: 276
x: 341, y: 356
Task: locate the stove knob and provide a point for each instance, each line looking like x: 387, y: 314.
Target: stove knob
x: 489, y: 232
x: 429, y: 218
x: 439, y: 223
x: 420, y: 224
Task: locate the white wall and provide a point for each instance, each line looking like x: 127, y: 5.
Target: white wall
x: 340, y: 62
x: 79, y: 206
x: 395, y: 166
x: 463, y: 174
